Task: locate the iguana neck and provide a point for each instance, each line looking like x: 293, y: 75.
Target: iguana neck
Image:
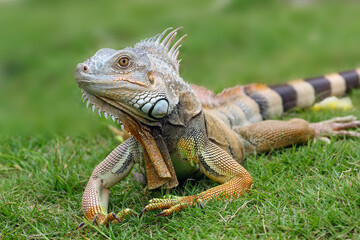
x: 187, y: 108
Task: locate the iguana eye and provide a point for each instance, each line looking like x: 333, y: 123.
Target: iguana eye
x: 124, y: 62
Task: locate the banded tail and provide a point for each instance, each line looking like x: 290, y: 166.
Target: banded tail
x: 242, y: 105
x: 276, y: 99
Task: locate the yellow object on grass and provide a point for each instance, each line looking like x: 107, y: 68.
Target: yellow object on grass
x: 334, y: 103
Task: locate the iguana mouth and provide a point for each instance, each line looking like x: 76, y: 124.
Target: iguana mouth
x: 117, y: 111
x: 103, y: 108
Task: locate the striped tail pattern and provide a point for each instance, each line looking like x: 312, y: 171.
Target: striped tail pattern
x: 301, y: 93
x: 243, y: 105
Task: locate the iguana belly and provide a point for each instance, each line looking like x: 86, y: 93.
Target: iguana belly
x: 184, y: 168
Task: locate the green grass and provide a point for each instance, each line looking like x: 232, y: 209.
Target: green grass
x: 50, y: 142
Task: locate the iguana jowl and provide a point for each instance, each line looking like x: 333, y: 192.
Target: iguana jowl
x: 180, y: 131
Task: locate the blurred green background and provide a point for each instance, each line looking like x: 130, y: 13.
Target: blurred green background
x: 50, y: 142
x: 230, y: 42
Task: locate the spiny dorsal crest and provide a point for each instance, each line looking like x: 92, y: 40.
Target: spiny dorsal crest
x: 160, y: 44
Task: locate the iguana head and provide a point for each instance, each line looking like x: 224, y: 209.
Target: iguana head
x: 141, y: 81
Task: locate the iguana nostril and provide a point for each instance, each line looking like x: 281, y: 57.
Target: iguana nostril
x: 82, y: 68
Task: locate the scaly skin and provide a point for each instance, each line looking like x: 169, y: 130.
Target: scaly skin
x: 182, y: 131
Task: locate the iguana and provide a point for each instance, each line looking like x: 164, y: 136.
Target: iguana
x: 181, y: 131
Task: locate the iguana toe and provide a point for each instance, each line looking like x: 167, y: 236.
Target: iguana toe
x: 337, y: 127
x: 176, y: 208
x: 111, y: 217
x: 158, y: 203
x: 170, y: 206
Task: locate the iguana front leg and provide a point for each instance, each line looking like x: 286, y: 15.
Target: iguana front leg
x: 215, y: 163
x: 115, y: 167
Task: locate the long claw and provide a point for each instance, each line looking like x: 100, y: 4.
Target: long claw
x: 116, y: 217
x: 81, y: 225
x: 142, y: 212
x: 160, y: 214
x: 201, y: 203
x: 94, y: 220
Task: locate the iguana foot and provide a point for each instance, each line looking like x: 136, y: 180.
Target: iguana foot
x: 170, y: 206
x: 337, y: 127
x: 110, y: 218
